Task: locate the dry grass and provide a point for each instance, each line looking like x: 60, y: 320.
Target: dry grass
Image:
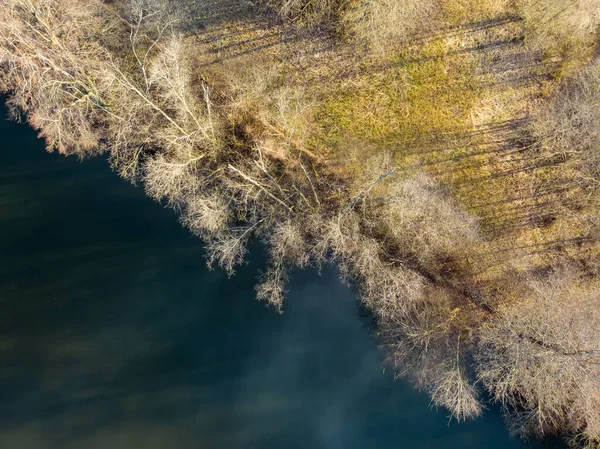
x: 385, y: 25
x: 308, y: 12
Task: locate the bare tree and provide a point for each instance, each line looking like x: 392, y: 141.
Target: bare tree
x: 541, y: 357
x: 48, y: 60
x: 149, y: 22
x: 430, y: 343
x: 287, y: 246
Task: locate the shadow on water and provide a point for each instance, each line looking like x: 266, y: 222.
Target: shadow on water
x: 114, y: 334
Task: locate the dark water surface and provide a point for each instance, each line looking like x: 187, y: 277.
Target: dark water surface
x: 115, y: 335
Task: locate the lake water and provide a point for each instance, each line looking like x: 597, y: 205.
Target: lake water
x: 115, y: 335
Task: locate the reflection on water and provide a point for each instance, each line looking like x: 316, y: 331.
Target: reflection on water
x: 114, y: 334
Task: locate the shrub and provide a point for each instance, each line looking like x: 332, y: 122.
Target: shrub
x: 568, y: 125
x: 206, y: 214
x: 384, y: 24
x: 560, y: 24
x: 423, y: 225
x: 424, y: 222
x: 310, y: 12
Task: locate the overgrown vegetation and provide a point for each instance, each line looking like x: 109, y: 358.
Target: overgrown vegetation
x: 560, y: 25
x: 441, y: 153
